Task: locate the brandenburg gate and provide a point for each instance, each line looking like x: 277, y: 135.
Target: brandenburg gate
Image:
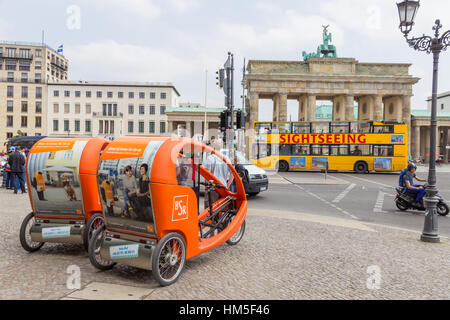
x: 382, y: 91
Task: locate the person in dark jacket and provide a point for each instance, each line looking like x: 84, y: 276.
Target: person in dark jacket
x: 17, y: 163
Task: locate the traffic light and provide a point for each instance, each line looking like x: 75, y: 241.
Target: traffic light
x: 223, y: 120
x: 220, y: 77
x: 240, y: 119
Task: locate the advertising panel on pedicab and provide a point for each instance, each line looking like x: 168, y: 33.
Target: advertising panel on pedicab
x: 124, y: 186
x: 53, y: 177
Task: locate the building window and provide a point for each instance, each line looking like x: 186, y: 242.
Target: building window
x: 130, y: 109
x: 141, y: 127
x: 99, y: 94
x: 77, y: 108
x: 24, y: 122
x: 77, y: 125
x: 9, y: 135
x: 100, y: 126
x: 115, y: 109
x: 9, y: 121
x: 130, y: 95
x: 87, y: 125
x: 66, y: 93
x: 141, y: 95
x: 11, y: 64
x: 162, y: 127
x: 56, y: 93
x: 162, y: 109
x: 10, y: 106
x: 111, y: 126
x: 38, y: 107
x: 442, y: 106
x: 24, y: 92
x: 130, y: 126
x: 66, y: 108
x: 104, y: 109
x: 24, y: 77
x: 10, y: 91
x: 163, y: 95
x: 55, y: 108
x: 11, y: 52
x: 25, y: 53
x: 38, y: 65
x: 151, y: 127
x: 141, y: 110
x: 38, y: 52
x: 109, y: 94
x: 106, y: 126
x: 120, y: 94
x: 38, y: 92
x: 77, y: 94
x: 88, y: 94
x: 24, y: 106
x: 152, y: 95
x: 88, y: 108
x: 37, y: 78
x: 109, y: 109
x: 152, y: 109
x: 10, y: 77
x: 38, y: 122
x: 55, y: 125
x: 66, y: 126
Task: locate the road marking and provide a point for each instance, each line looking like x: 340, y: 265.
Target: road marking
x: 378, y: 208
x: 367, y: 180
x: 344, y: 193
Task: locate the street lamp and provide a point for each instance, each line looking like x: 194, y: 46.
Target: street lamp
x: 407, y: 12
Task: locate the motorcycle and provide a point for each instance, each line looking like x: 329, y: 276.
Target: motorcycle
x: 405, y: 200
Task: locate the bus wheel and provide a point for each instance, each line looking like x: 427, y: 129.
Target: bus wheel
x: 361, y: 167
x: 282, y: 166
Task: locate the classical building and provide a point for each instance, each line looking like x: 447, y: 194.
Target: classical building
x: 382, y: 91
x: 443, y: 102
x: 109, y: 109
x: 188, y: 119
x: 25, y: 70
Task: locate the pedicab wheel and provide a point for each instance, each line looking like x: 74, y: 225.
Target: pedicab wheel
x: 235, y: 238
x: 94, y: 222
x: 94, y: 250
x: 442, y: 209
x: 168, y: 258
x: 25, y: 236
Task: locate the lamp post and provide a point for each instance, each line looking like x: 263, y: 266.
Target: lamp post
x: 407, y: 12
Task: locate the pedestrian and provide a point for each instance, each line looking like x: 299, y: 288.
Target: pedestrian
x: 22, y: 151
x: 8, y: 173
x: 17, y: 163
x: 39, y: 184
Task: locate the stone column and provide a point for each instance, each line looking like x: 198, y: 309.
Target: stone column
x: 406, y: 118
x: 377, y: 108
x: 276, y: 107
x: 188, y: 129
x: 444, y: 144
x: 416, y: 142
x: 311, y: 108
x: 282, y: 107
x: 169, y: 127
x: 302, y: 108
x: 254, y: 108
x: 349, y: 108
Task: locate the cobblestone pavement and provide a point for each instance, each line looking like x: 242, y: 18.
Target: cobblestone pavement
x: 280, y: 257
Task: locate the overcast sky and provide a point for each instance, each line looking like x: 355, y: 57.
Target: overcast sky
x: 177, y: 40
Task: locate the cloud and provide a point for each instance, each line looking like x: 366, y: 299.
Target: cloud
x: 110, y: 60
x: 183, y: 5
x: 145, y: 9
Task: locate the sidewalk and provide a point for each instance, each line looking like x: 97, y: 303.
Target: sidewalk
x: 283, y: 255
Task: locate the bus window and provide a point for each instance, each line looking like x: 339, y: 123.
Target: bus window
x: 261, y: 150
x: 360, y: 150
x: 261, y: 128
x: 361, y: 127
x: 300, y: 150
x: 281, y: 128
x: 339, y: 127
x: 285, y: 150
x: 383, y: 129
x: 320, y: 127
x: 383, y: 151
x: 339, y: 150
x: 320, y: 150
x: 301, y: 127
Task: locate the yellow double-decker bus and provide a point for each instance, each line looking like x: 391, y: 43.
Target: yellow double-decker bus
x: 360, y: 146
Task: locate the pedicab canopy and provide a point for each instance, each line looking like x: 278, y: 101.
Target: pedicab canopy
x: 149, y: 187
x: 61, y: 177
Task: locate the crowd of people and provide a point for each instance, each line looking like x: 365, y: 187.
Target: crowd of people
x: 14, y: 171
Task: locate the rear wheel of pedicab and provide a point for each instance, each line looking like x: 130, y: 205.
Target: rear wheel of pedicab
x: 94, y: 250
x: 168, y: 258
x: 235, y: 238
x: 94, y: 222
x: 25, y: 235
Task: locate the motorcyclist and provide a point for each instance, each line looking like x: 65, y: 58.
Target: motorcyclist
x: 408, y: 182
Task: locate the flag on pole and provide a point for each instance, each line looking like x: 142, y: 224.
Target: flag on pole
x: 60, y: 49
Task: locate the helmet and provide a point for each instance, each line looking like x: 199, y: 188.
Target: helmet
x: 411, y: 166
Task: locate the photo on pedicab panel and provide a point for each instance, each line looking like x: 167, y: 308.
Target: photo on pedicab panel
x: 125, y: 191
x: 55, y: 180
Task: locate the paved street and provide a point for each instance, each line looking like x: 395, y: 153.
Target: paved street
x: 303, y: 241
